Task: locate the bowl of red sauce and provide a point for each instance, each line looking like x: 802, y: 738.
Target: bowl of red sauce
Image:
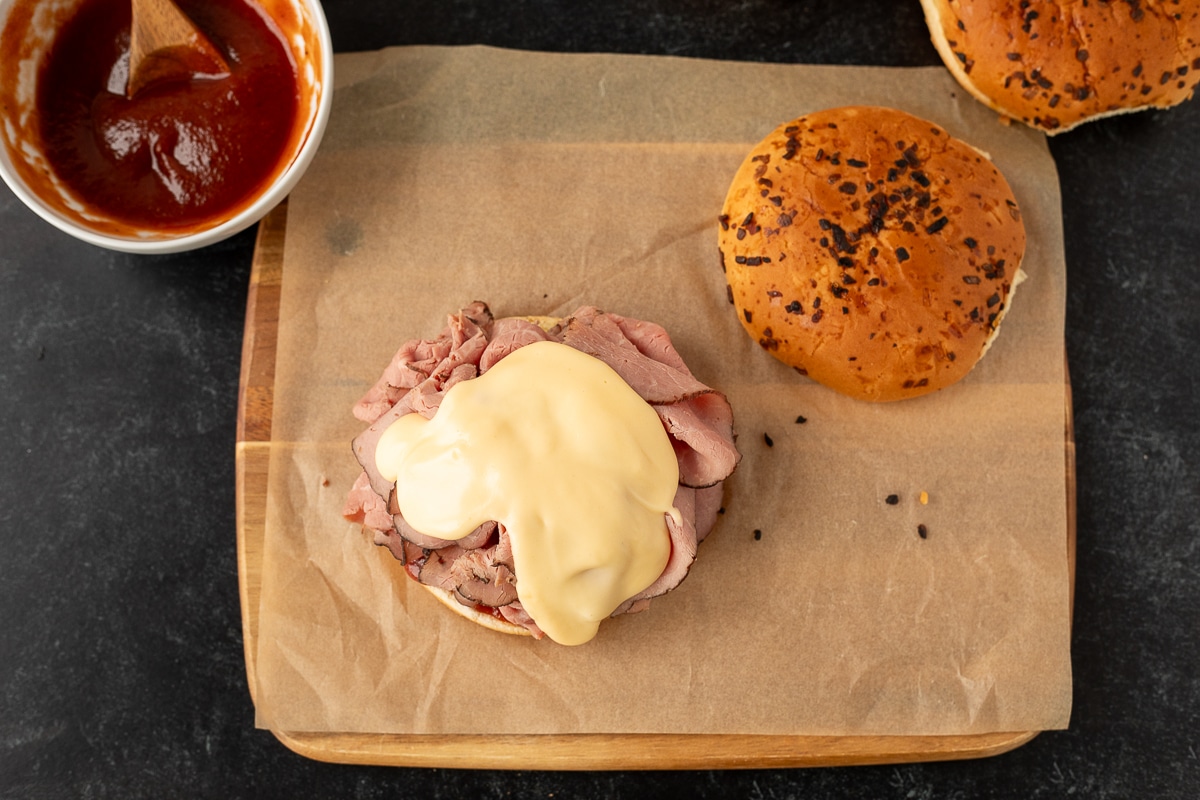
x: 183, y: 163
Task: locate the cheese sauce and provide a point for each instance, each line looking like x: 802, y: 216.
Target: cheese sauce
x: 554, y: 445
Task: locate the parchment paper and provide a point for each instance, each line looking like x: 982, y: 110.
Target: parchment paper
x: 540, y: 182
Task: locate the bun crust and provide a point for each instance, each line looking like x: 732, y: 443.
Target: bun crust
x: 545, y: 323
x: 475, y: 615
x: 1055, y: 65
x: 871, y: 251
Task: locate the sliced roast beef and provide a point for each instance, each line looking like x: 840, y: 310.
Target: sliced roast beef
x: 701, y: 428
x: 698, y: 419
x: 476, y: 538
x: 478, y: 569
x: 418, y: 359
x: 507, y: 335
x: 365, y: 444
x: 482, y: 581
x: 405, y: 552
x: 412, y: 365
x: 652, y: 341
x: 365, y: 506
x: 683, y: 552
x: 708, y: 507
x: 466, y: 342
x: 598, y: 334
x: 474, y: 576
x: 517, y: 615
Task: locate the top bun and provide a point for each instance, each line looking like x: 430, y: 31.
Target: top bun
x: 1054, y: 66
x: 871, y: 251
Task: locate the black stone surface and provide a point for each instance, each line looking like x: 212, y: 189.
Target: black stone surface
x: 121, y: 667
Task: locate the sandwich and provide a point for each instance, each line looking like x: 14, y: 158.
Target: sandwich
x: 539, y: 475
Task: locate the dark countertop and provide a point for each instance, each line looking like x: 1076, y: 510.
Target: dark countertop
x: 121, y: 665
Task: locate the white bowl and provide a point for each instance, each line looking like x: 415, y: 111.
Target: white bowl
x: 29, y: 34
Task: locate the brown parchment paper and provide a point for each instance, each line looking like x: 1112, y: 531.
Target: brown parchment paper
x: 540, y: 182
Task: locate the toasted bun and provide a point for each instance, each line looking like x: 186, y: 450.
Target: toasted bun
x: 483, y: 618
x: 545, y: 323
x: 1054, y: 70
x: 871, y: 251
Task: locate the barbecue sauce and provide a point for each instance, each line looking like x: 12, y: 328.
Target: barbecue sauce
x: 181, y: 153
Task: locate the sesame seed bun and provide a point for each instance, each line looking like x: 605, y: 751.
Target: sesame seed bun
x: 1054, y: 66
x: 871, y: 251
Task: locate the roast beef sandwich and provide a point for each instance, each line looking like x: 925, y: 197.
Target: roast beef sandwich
x: 539, y: 475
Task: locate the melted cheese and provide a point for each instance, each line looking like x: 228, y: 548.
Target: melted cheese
x: 554, y: 445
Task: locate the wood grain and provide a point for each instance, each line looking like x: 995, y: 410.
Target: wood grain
x: 554, y: 751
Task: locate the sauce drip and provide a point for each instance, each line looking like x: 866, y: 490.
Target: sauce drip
x: 180, y: 153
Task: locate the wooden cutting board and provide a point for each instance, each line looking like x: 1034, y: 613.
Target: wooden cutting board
x: 559, y: 752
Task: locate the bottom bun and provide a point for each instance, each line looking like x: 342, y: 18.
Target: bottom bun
x: 545, y: 323
x: 446, y: 598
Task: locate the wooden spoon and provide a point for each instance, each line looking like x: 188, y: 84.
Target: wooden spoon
x: 165, y: 45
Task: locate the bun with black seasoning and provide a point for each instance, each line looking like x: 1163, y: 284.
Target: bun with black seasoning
x: 871, y: 251
x: 1055, y: 65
